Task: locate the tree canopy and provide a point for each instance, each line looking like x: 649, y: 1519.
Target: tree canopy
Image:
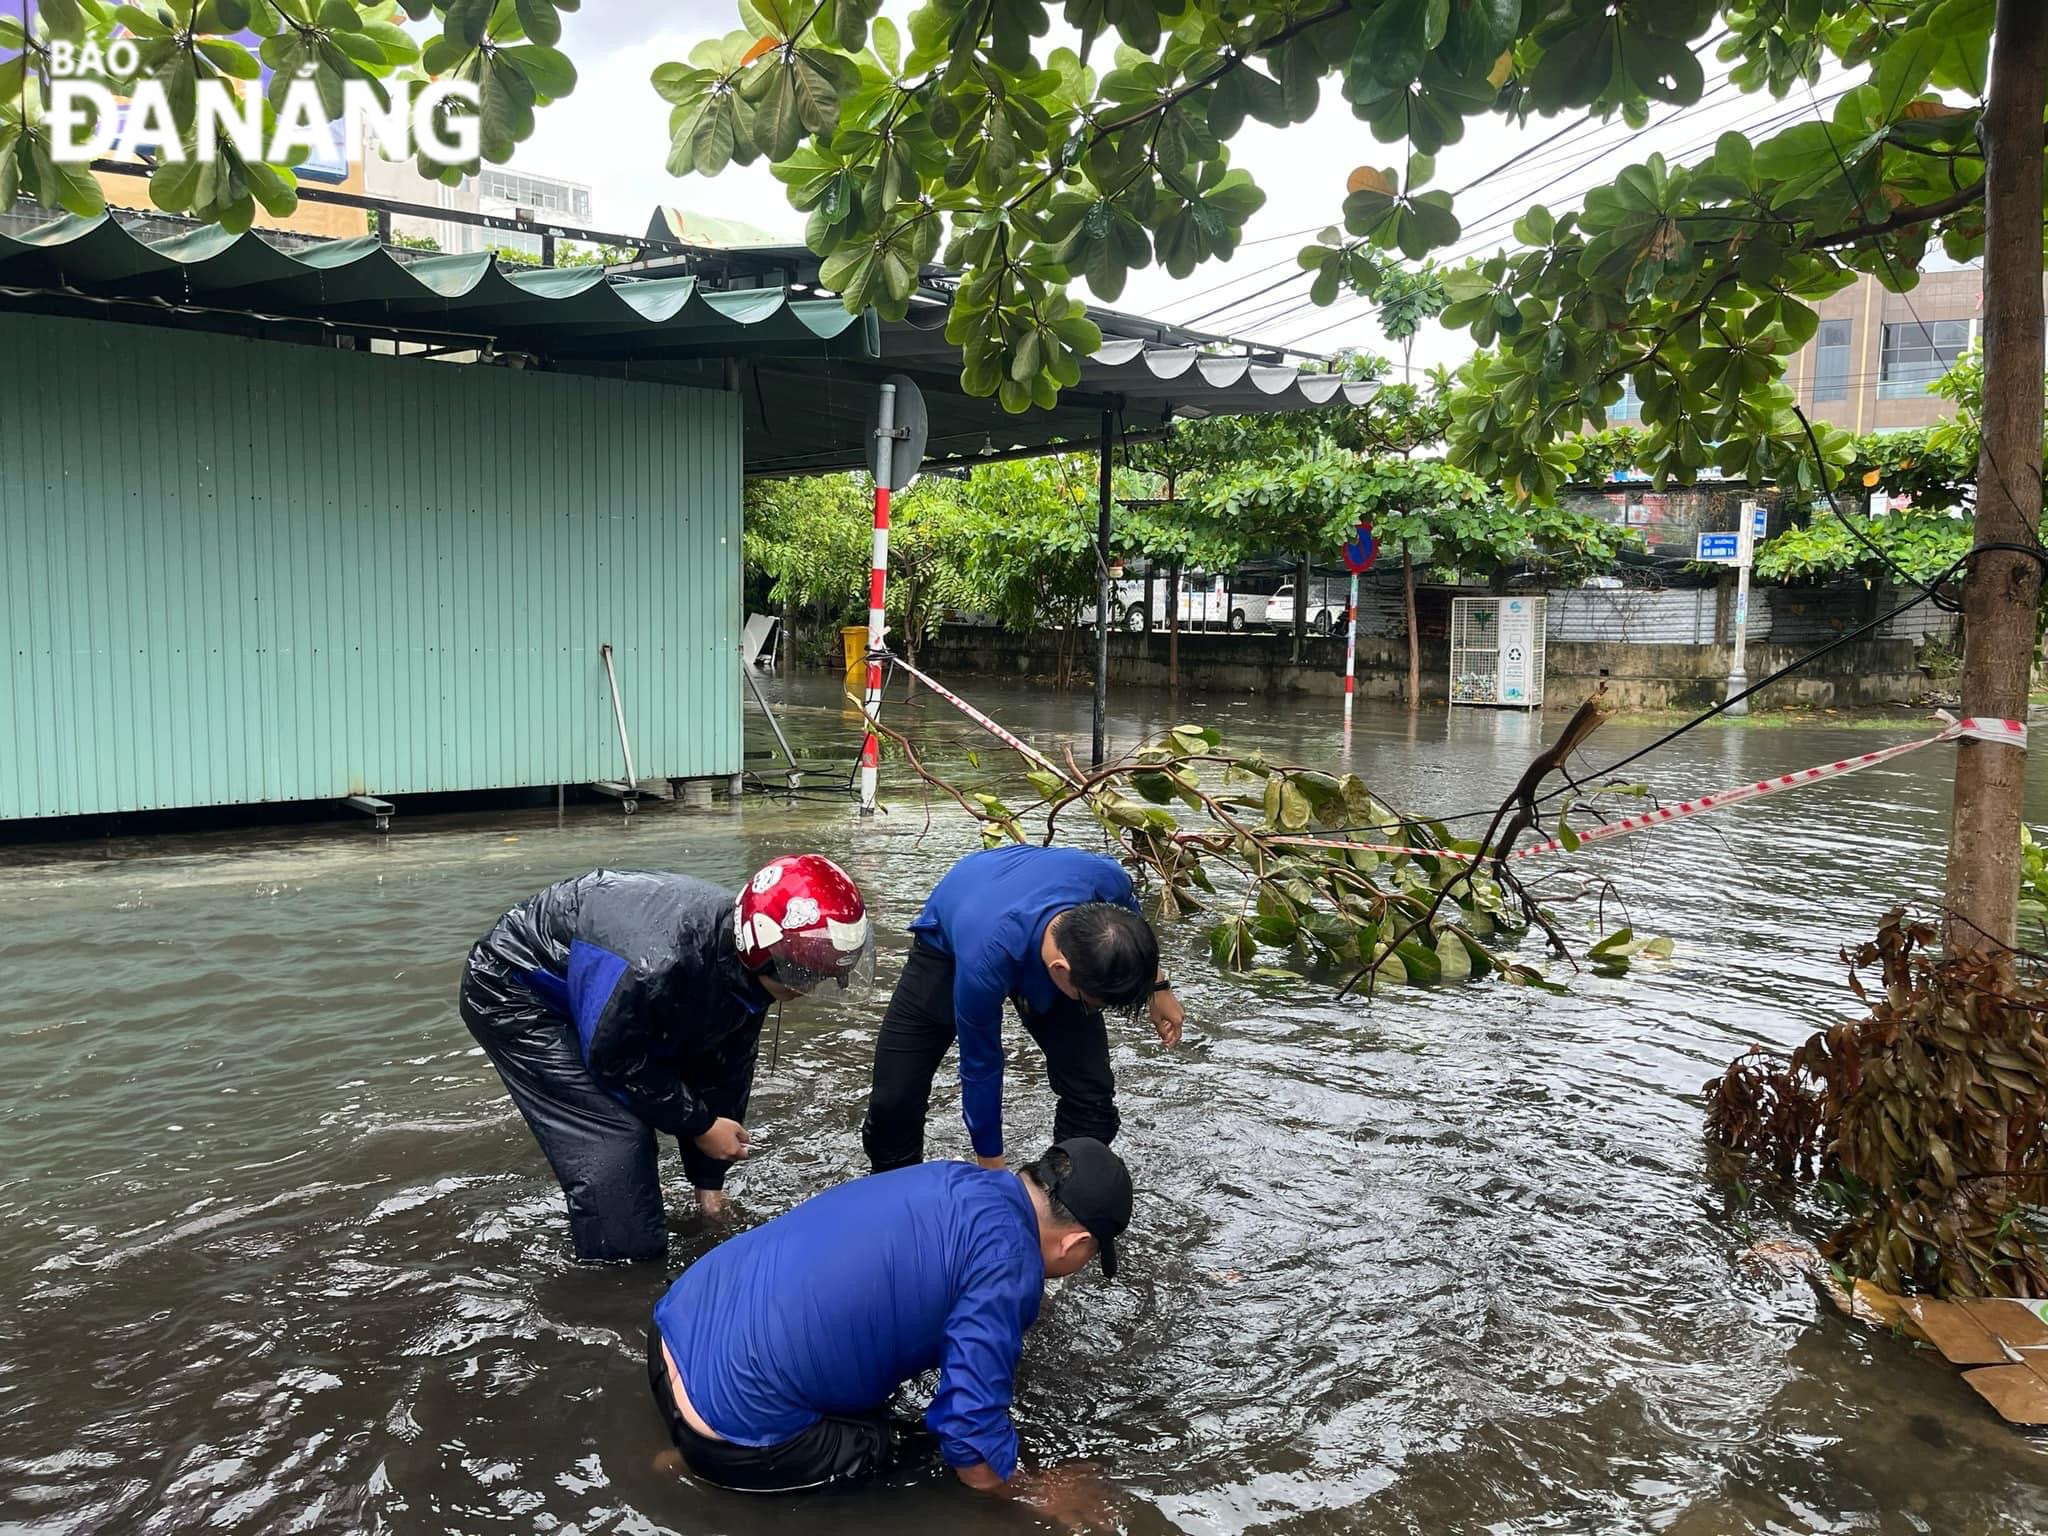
x: 1029, y: 167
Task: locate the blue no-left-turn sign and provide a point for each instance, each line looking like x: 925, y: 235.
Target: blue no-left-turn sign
x: 1360, y: 553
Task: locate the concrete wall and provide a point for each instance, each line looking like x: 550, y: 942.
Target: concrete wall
x: 1868, y: 672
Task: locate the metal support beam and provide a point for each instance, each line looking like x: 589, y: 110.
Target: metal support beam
x: 1102, y: 593
x: 371, y: 806
x: 796, y: 777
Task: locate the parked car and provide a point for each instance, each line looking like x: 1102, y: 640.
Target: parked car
x: 1325, y: 612
x: 1205, y: 603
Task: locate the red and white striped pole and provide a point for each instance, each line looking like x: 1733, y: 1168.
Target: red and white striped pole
x: 1350, y: 647
x: 878, y: 592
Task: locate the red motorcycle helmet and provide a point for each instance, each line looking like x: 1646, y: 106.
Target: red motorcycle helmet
x: 801, y: 922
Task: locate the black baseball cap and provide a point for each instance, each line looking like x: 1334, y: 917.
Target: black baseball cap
x: 1097, y: 1189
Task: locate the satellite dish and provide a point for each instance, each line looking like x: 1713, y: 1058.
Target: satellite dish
x: 906, y: 450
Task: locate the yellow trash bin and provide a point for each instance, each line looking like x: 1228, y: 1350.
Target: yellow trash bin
x: 855, y: 642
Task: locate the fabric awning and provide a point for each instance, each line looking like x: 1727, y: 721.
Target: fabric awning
x: 569, y: 315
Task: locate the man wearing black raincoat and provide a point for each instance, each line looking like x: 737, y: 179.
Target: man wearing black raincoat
x: 621, y: 1004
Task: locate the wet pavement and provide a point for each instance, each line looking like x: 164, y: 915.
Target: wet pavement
x: 283, y: 1258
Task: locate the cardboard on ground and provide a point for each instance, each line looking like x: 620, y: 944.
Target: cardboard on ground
x: 2005, y: 1338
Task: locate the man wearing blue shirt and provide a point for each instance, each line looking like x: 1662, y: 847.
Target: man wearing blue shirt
x: 1057, y: 932
x: 772, y: 1357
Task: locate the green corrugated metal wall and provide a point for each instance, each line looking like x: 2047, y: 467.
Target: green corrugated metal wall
x: 237, y: 571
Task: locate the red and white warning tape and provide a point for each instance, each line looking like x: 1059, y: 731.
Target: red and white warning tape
x: 1029, y: 753
x: 2008, y: 733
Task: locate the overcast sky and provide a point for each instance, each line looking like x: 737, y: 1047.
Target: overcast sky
x: 613, y: 134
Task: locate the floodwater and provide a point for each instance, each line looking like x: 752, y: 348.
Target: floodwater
x: 282, y: 1258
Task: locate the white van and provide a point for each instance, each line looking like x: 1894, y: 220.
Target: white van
x: 1204, y: 602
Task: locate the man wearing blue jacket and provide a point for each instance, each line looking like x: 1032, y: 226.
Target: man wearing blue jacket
x: 774, y: 1356
x: 623, y: 1003
x: 1057, y: 932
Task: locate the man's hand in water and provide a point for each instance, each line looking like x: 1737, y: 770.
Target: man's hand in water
x: 991, y: 1162
x: 1167, y: 1017
x: 713, y: 1204
x: 726, y: 1140
x: 1071, y: 1496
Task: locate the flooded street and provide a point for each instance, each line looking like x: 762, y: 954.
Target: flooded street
x: 282, y: 1257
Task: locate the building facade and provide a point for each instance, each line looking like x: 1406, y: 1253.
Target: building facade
x: 505, y: 192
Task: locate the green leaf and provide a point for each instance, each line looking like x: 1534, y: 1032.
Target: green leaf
x: 1660, y: 948
x: 1294, y: 808
x: 276, y: 190
x: 1903, y: 70
x: 822, y: 81
x: 65, y: 183
x: 1232, y: 946
x: 552, y: 74
x: 506, y: 118
x: 705, y: 139
x: 1048, y: 785
x: 1964, y: 27
x: 1420, y: 961
x: 1389, y: 51
x: 1454, y: 963
x: 1615, y: 942
x: 539, y: 20
x: 778, y: 126
x: 173, y: 183
x: 466, y: 20
x: 887, y: 43
x: 144, y: 24
x: 1478, y: 32
x: 230, y: 58
x: 63, y: 19
x: 442, y: 54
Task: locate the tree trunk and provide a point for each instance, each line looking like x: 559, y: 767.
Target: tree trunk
x: 1173, y: 629
x: 2000, y: 594
x: 911, y: 625
x: 1300, y: 606
x: 1414, y: 640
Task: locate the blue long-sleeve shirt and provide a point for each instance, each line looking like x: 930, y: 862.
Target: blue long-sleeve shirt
x: 830, y: 1308
x: 990, y: 912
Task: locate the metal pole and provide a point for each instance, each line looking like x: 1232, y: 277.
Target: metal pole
x: 795, y: 778
x: 878, y: 591
x: 1744, y: 545
x: 619, y: 710
x: 1350, y: 647
x: 1102, y: 594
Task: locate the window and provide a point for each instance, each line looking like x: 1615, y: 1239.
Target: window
x: 1831, y: 361
x: 1629, y: 407
x: 1915, y: 355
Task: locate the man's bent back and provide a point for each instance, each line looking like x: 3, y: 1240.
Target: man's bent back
x: 823, y: 1313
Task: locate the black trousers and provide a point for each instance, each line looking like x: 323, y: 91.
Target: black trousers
x: 919, y: 1028
x: 602, y: 1154
x: 833, y: 1450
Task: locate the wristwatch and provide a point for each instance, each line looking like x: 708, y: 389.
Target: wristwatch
x: 1163, y: 984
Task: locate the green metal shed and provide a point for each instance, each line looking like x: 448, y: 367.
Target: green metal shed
x: 245, y: 557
